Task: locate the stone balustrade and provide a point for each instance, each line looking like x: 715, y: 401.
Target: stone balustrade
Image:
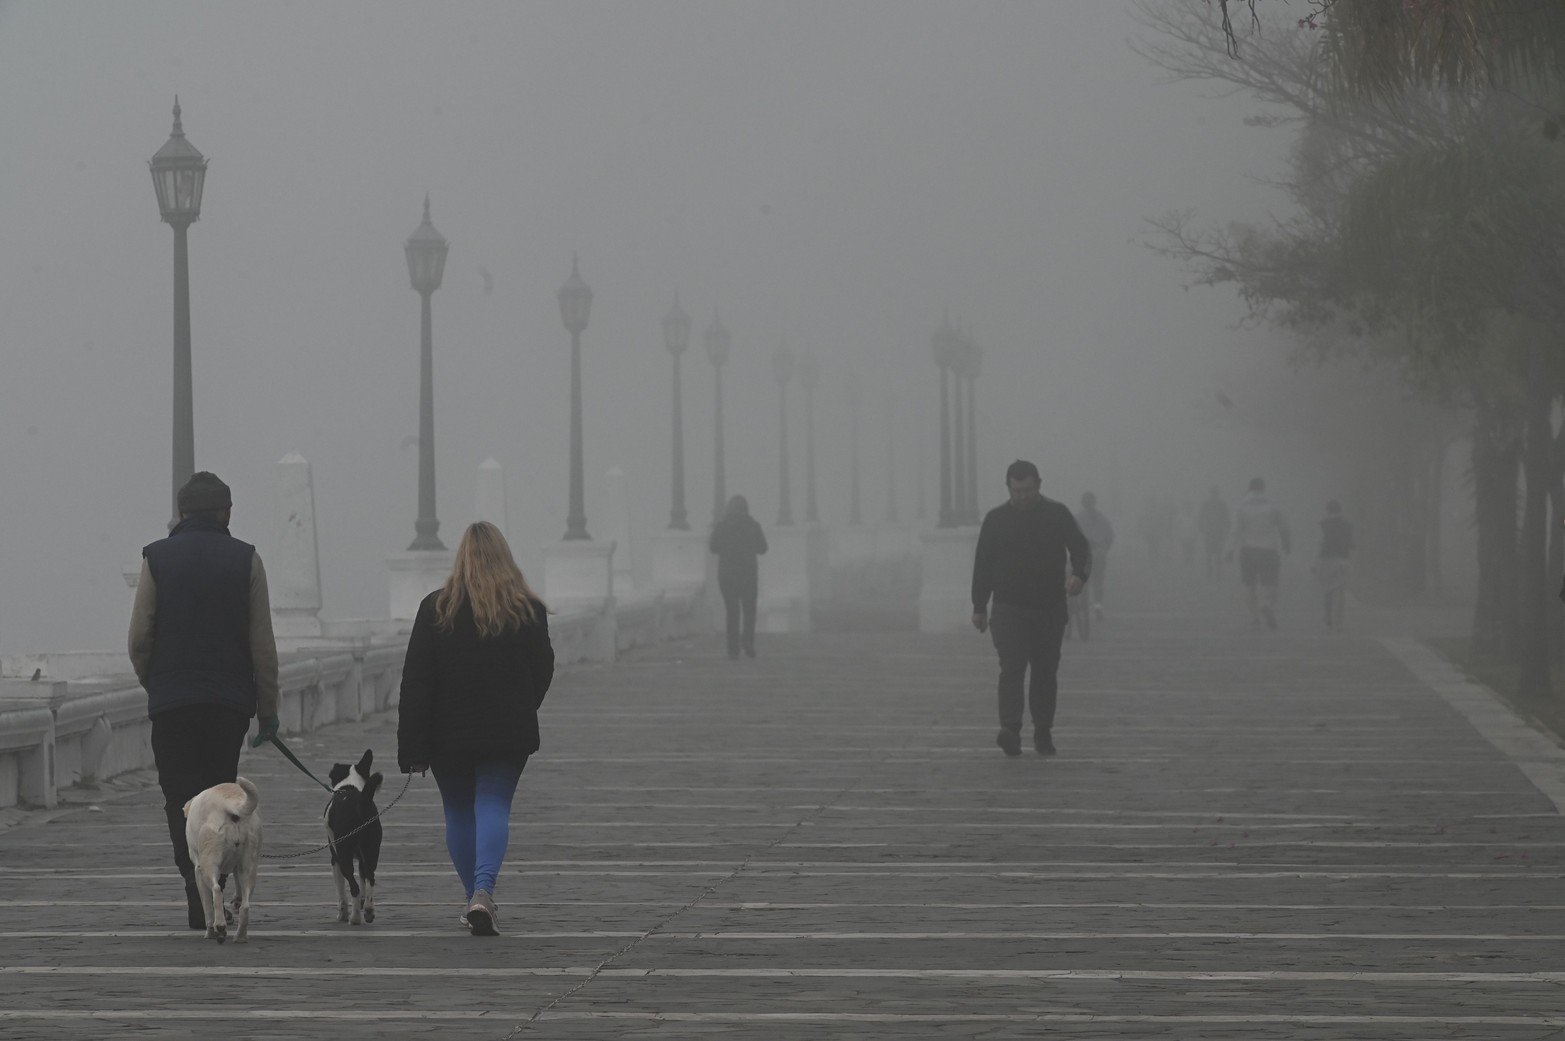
x: 82, y: 718
x: 54, y: 734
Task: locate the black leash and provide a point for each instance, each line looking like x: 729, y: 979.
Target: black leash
x: 288, y: 754
x: 339, y: 838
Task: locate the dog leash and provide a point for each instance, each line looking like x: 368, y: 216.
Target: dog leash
x: 349, y: 835
x: 288, y: 754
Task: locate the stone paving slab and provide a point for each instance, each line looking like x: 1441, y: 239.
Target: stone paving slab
x: 1245, y: 836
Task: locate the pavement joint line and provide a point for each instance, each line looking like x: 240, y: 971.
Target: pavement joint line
x: 745, y: 936
x: 758, y: 972
x: 757, y: 905
x: 1224, y: 838
x: 226, y: 1013
x: 1099, y: 876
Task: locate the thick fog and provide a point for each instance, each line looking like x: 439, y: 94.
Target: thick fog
x: 834, y: 176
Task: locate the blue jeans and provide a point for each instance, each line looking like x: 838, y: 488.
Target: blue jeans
x: 477, y: 802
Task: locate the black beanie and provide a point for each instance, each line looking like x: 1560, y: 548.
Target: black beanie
x: 204, y: 491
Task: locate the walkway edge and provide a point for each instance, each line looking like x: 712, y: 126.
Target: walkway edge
x: 1535, y: 753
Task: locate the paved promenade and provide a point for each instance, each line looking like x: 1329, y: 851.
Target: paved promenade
x: 1244, y: 836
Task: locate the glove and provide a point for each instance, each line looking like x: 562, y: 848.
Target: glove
x: 266, y: 729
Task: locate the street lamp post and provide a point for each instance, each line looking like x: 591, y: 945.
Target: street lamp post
x: 973, y: 357
x: 718, y: 341
x: 676, y: 337
x: 855, y: 513
x: 782, y: 369
x: 426, y: 252
x: 958, y: 437
x: 891, y: 458
x: 809, y: 379
x: 178, y: 177
x: 575, y: 306
x: 942, y: 343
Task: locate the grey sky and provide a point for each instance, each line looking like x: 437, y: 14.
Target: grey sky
x: 829, y: 173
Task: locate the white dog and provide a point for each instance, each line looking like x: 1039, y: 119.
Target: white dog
x: 223, y: 830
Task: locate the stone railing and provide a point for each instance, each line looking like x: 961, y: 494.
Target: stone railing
x: 79, y: 718
x: 58, y: 733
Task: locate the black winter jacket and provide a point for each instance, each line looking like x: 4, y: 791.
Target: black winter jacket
x: 466, y: 699
x: 737, y: 541
x: 1020, y: 557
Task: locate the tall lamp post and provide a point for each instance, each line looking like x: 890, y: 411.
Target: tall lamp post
x: 809, y: 379
x: 943, y: 343
x: 718, y: 341
x: 676, y: 337
x: 972, y: 358
x: 426, y: 251
x: 891, y: 458
x: 575, y: 305
x: 855, y: 513
x: 782, y: 369
x: 178, y: 177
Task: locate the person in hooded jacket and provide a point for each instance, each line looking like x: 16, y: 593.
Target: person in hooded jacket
x: 738, y: 541
x: 478, y: 665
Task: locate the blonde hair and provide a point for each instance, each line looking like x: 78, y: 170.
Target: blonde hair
x: 486, y: 578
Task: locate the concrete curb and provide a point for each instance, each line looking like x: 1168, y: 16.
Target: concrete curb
x: 1537, y: 754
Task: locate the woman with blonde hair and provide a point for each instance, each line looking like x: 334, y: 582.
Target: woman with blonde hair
x: 478, y: 665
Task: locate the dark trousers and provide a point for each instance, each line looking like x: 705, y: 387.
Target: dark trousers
x: 739, y: 607
x: 1028, y: 637
x: 195, y: 747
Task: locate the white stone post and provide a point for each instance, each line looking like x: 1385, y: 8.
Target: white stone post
x: 294, y: 572
x: 617, y: 507
x: 945, y: 598
x: 489, y: 502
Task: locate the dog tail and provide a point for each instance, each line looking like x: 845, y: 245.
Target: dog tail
x: 252, y: 797
x: 372, y: 786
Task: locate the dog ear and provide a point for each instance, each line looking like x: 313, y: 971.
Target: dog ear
x: 186, y: 808
x: 338, y: 772
x: 364, y: 763
x: 372, y: 785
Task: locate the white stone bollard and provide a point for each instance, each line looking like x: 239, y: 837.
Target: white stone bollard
x: 293, y: 572
x: 617, y: 509
x: 945, y: 602
x: 489, y: 504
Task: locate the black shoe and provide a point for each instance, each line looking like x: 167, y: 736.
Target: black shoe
x: 195, y: 913
x: 1010, y: 741
x: 1271, y: 619
x: 749, y: 650
x: 1042, y: 743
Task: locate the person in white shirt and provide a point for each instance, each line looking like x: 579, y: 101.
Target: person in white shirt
x: 1261, y: 537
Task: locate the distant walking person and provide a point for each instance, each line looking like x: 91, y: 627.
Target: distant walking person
x: 1020, y: 563
x: 1214, y: 523
x: 201, y: 644
x: 1332, y: 569
x: 478, y: 665
x: 1100, y: 537
x: 1261, y: 537
x: 738, y: 541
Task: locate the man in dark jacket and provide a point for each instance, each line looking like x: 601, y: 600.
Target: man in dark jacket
x: 1020, y: 563
x: 202, y: 647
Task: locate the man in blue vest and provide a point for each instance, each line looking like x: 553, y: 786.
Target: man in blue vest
x: 201, y: 643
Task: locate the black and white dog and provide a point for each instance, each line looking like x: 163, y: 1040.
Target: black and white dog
x: 353, y: 835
